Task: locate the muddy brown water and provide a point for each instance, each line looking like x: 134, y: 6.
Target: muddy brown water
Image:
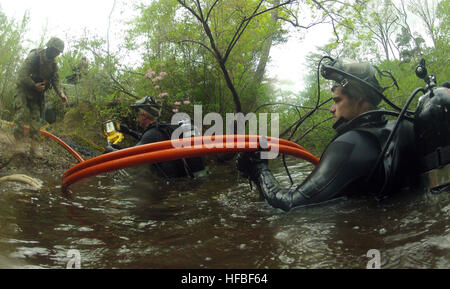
x: 215, y: 222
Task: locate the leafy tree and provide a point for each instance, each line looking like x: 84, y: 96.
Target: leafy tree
x: 426, y: 10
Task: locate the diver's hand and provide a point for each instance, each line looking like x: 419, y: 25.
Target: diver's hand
x: 123, y: 128
x: 247, y: 162
x: 109, y: 149
x: 64, y: 98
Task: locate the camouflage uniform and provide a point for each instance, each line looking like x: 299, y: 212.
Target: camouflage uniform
x: 29, y: 103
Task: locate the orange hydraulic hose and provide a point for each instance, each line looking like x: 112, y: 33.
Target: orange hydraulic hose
x: 169, y: 144
x: 172, y: 154
x: 62, y: 143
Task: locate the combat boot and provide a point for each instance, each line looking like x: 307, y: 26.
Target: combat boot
x: 35, y: 150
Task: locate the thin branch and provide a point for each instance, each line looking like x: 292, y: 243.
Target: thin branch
x: 247, y: 20
x: 238, y: 33
x: 109, y: 26
x: 329, y: 14
x: 288, y: 104
x: 296, y: 24
x: 335, y: 30
x: 199, y: 7
x: 183, y: 3
x: 210, y: 10
x: 271, y: 8
x: 120, y: 88
x: 312, y: 128
x: 199, y: 43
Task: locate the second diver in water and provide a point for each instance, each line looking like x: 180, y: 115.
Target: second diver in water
x: 350, y: 157
x: 154, y: 131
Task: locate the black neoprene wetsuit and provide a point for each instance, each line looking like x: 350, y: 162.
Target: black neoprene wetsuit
x: 346, y: 164
x: 170, y: 169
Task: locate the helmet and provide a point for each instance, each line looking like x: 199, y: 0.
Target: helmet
x: 148, y: 104
x: 56, y: 43
x: 361, y: 71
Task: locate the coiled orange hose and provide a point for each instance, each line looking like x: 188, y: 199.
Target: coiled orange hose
x: 165, y: 151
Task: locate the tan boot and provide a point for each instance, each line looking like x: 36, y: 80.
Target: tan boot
x: 35, y: 150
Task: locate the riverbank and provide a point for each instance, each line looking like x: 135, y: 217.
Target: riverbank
x: 82, y: 134
x: 56, y: 159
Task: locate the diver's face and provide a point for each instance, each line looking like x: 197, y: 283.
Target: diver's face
x: 142, y: 119
x: 344, y: 106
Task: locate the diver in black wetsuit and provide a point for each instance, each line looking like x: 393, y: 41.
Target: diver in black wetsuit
x: 148, y: 115
x: 350, y: 157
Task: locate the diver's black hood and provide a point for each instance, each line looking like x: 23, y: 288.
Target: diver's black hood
x: 370, y: 118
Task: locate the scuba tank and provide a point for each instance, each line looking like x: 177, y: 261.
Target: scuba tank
x: 432, y: 123
x: 432, y: 130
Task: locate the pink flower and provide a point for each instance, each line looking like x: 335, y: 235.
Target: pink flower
x: 186, y: 102
x: 175, y: 110
x: 163, y: 74
x: 177, y: 103
x: 157, y: 87
x: 158, y: 78
x: 150, y: 73
x: 161, y: 95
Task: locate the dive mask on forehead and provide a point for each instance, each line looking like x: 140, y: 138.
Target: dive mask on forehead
x: 358, y: 77
x: 148, y: 104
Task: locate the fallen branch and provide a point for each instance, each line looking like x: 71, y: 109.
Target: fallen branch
x: 35, y: 184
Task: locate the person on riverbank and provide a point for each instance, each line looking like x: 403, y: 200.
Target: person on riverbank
x: 349, y: 159
x: 148, y: 112
x: 38, y: 73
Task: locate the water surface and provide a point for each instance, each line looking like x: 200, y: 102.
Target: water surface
x: 216, y: 222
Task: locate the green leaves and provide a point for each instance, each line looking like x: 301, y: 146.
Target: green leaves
x: 11, y: 52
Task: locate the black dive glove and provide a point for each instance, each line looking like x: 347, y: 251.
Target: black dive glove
x: 109, y: 149
x: 249, y: 163
x: 112, y: 148
x: 123, y: 128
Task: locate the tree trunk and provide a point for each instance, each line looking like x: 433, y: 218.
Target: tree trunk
x: 259, y: 74
x: 220, y: 59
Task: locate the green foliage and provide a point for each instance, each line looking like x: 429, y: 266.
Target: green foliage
x: 403, y: 70
x: 356, y: 39
x: 11, y: 51
x: 178, y: 68
x: 173, y: 37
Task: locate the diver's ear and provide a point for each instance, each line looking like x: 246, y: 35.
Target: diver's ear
x: 363, y: 105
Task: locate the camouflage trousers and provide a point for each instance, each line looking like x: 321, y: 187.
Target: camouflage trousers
x: 29, y: 107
